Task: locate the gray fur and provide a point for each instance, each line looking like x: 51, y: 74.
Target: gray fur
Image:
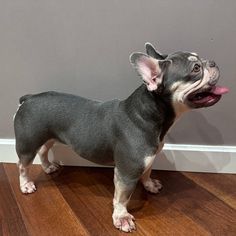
x: 151, y: 51
x: 120, y: 132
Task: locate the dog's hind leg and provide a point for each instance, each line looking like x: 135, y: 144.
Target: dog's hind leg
x: 48, y: 167
x: 26, y: 185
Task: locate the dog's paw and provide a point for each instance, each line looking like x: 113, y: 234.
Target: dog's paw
x: 152, y: 185
x: 28, y: 187
x: 124, y: 222
x: 53, y: 167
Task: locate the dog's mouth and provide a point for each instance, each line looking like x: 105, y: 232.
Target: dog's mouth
x: 207, y: 97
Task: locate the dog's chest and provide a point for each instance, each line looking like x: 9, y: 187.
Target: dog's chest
x: 148, y: 160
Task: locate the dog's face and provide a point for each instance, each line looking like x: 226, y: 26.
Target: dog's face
x: 190, y: 81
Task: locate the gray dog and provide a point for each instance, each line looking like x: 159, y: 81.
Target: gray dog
x: 127, y: 134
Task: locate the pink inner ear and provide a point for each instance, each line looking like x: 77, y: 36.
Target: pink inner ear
x: 148, y: 69
x: 144, y: 71
x: 148, y: 63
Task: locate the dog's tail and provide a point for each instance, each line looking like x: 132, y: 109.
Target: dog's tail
x: 24, y: 98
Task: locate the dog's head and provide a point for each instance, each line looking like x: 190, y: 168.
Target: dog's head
x: 189, y: 80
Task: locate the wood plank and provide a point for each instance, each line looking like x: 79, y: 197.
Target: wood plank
x: 198, y: 204
x: 90, y: 197
x: 221, y: 185
x: 94, y: 187
x: 78, y: 201
x: 44, y: 212
x: 10, y: 217
x: 159, y: 216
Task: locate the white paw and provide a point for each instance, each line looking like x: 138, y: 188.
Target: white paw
x: 51, y: 168
x: 28, y: 187
x: 124, y: 222
x: 152, y: 185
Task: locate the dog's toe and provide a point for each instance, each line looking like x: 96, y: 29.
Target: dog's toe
x: 124, y: 223
x: 153, y: 185
x: 157, y: 183
x: 53, y: 167
x: 28, y: 187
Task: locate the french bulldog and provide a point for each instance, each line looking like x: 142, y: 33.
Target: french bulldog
x: 128, y: 133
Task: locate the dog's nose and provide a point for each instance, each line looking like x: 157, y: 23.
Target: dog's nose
x: 211, y: 64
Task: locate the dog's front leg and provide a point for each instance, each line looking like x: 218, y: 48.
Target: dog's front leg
x: 151, y: 185
x: 123, y: 191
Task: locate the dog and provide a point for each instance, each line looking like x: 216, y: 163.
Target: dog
x: 125, y: 133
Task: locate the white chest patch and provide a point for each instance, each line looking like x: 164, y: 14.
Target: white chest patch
x: 148, y: 161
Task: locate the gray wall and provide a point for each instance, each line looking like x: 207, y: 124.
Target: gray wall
x: 82, y: 47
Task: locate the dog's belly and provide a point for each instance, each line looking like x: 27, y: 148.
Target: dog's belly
x: 98, y: 155
x: 106, y: 159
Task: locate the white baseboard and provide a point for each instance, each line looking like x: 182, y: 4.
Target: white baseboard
x: 177, y: 157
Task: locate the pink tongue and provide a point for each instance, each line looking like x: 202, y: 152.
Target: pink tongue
x: 217, y: 90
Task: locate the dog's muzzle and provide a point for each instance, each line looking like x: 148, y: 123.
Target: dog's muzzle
x: 209, y: 93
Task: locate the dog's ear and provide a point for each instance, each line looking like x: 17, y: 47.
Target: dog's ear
x: 150, y: 69
x: 151, y: 51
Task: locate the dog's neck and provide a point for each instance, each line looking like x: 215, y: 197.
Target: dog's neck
x: 151, y: 109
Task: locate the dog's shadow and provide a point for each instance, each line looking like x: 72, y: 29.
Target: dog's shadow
x: 195, y: 128
x: 204, y: 134
x: 86, y: 182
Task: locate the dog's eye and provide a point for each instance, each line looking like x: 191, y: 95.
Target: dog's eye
x: 196, y: 68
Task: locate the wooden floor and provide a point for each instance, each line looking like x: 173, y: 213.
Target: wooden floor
x: 78, y: 201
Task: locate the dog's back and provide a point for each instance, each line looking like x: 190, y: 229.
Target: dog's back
x: 50, y: 115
